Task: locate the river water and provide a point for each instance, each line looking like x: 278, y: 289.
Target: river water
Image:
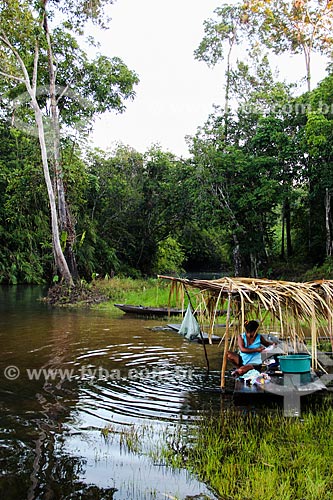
x: 67, y: 375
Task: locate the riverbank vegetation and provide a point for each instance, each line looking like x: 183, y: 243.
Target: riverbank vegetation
x: 248, y: 455
x: 254, y: 197
x: 103, y: 293
x: 147, y: 292
x: 262, y: 456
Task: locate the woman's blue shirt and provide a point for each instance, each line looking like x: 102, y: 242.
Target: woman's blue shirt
x: 253, y: 358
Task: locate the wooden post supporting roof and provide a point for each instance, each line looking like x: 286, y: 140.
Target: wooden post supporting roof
x: 226, y: 344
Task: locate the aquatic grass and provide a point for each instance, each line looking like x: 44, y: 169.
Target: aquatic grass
x: 129, y: 436
x: 108, y: 432
x: 130, y: 439
x: 262, y: 456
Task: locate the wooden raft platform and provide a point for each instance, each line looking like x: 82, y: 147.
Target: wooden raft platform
x: 288, y: 389
x: 303, y: 383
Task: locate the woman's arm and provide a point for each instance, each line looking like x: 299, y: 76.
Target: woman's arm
x: 265, y: 342
x: 242, y: 347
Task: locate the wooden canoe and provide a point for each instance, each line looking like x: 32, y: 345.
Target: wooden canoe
x: 154, y: 311
x: 149, y: 311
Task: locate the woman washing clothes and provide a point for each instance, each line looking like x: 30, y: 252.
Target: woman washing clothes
x: 250, y: 344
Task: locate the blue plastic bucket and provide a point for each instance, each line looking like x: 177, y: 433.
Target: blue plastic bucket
x: 295, y: 363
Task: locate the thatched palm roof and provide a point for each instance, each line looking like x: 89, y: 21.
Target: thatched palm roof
x: 313, y: 298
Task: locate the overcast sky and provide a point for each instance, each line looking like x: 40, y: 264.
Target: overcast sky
x: 156, y: 38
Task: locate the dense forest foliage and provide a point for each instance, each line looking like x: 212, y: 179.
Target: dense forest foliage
x: 254, y: 197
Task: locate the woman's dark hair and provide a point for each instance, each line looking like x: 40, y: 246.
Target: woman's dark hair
x: 251, y: 326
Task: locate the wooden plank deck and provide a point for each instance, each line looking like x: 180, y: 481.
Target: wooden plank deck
x: 304, y: 383
x: 288, y: 390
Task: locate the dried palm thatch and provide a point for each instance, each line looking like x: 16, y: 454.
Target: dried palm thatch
x: 287, y: 307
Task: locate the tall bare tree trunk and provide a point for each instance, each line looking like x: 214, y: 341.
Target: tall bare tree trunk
x: 287, y: 215
x: 286, y: 229
x: 66, y: 224
x: 282, y: 254
x: 236, y: 253
x: 328, y: 223
x: 227, y: 87
x: 254, y: 265
x: 307, y: 56
x: 59, y: 258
